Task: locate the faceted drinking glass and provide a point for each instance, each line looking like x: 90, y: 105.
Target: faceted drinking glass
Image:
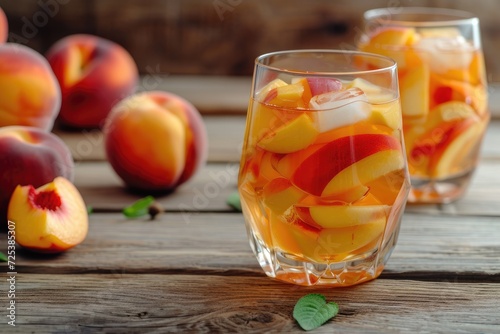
x: 323, y: 177
x: 443, y: 93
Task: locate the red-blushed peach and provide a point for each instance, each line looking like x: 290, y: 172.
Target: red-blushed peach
x: 4, y: 27
x: 29, y: 92
x: 155, y: 140
x: 94, y: 74
x: 30, y: 156
x: 51, y: 219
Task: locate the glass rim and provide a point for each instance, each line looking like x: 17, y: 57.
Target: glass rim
x: 392, y: 65
x: 456, y: 16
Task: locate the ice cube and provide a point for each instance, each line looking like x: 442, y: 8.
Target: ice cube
x: 337, y: 109
x: 445, y: 53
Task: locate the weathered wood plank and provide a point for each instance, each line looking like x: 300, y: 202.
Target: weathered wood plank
x: 208, y: 190
x: 225, y: 139
x: 178, y: 303
x: 429, y: 247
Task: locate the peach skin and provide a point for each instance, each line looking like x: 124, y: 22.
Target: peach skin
x: 30, y: 156
x: 94, y: 74
x: 4, y: 27
x: 29, y: 92
x: 155, y: 141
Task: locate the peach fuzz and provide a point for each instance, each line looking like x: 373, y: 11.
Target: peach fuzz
x: 4, y: 27
x: 50, y: 219
x: 29, y: 92
x: 94, y: 74
x: 30, y: 156
x: 155, y: 141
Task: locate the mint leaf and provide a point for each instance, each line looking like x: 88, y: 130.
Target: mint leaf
x: 90, y: 209
x: 3, y: 258
x: 138, y: 208
x: 234, y: 201
x: 312, y: 311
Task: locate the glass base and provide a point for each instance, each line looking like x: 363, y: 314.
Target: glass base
x: 292, y: 269
x: 431, y: 191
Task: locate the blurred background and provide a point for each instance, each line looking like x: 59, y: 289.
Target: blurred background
x: 219, y: 37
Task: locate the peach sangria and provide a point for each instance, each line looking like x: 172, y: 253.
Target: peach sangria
x: 443, y: 93
x: 323, y: 176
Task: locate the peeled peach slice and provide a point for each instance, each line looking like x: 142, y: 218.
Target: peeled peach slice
x: 279, y: 195
x: 264, y: 91
x: 392, y: 42
x: 348, y: 239
x: 52, y: 218
x: 335, y: 216
x: 293, y: 136
x: 374, y: 93
x: 414, y: 87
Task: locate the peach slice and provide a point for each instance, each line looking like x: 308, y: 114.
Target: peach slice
x: 414, y: 87
x: 388, y: 114
x: 288, y: 96
x: 337, y: 216
x: 51, y: 218
x: 279, y: 195
x: 282, y: 236
x: 348, y: 239
x: 264, y: 91
x: 458, y: 150
x: 346, y: 162
x: 365, y: 170
x: 334, y: 244
x: 374, y: 93
x: 391, y: 42
x: 337, y: 109
x: 290, y: 137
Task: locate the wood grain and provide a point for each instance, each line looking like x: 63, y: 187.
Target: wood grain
x: 120, y: 302
x: 429, y: 247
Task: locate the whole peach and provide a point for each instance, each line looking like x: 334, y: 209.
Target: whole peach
x: 4, y: 27
x: 155, y: 140
x: 94, y: 74
x: 29, y: 92
x: 30, y: 156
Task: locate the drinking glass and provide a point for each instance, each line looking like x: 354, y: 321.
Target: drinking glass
x: 323, y: 177
x: 443, y: 93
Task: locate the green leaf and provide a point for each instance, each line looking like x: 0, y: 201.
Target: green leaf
x: 234, y: 201
x: 139, y: 208
x: 90, y: 209
x: 312, y: 311
x: 3, y: 258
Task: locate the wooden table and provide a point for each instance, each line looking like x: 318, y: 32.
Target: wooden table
x: 192, y: 270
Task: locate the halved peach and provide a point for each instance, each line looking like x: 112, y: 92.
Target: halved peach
x: 290, y: 137
x: 51, y: 218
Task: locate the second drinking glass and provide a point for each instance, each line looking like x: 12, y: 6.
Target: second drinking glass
x: 443, y: 93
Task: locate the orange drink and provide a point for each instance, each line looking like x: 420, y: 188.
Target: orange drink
x: 443, y: 93
x: 323, y: 176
